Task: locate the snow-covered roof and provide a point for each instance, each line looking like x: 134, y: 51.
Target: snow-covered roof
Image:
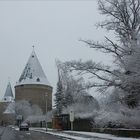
x: 8, y: 96
x: 33, y: 72
x: 10, y: 108
x: 8, y: 91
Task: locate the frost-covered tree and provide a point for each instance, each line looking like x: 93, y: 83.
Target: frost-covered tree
x: 25, y: 109
x: 66, y: 88
x: 72, y: 94
x: 123, y: 18
x: 72, y: 88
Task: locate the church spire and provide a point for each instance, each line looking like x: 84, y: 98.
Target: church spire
x: 8, y: 91
x: 8, y: 96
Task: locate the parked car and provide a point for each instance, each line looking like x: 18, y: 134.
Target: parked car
x: 24, y: 127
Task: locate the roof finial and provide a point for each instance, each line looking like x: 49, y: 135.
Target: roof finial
x: 8, y: 79
x: 33, y: 47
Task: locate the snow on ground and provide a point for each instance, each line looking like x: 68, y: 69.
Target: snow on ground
x: 100, y: 135
x: 77, y: 135
x: 65, y: 135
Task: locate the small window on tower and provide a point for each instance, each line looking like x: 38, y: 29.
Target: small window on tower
x: 31, y: 76
x: 38, y: 80
x: 32, y: 56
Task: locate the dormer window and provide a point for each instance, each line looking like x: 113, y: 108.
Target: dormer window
x: 38, y: 80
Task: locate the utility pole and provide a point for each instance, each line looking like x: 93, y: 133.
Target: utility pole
x: 46, y: 111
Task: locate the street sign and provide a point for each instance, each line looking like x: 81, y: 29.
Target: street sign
x: 19, y: 117
x: 71, y: 116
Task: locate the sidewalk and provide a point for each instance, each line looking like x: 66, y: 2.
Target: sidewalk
x: 79, y: 135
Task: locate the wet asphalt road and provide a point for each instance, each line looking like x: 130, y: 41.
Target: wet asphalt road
x: 7, y: 133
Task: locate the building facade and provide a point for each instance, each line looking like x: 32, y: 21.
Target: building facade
x: 7, y: 112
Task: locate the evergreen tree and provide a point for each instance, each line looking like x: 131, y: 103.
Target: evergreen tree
x: 59, y: 97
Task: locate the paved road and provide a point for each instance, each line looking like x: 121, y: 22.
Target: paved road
x: 11, y: 134
x: 7, y: 133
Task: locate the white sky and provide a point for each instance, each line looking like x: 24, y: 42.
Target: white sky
x: 54, y: 27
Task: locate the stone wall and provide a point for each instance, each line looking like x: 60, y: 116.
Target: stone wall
x: 36, y: 95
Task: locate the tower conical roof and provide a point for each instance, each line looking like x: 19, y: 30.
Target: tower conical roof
x: 8, y: 96
x: 33, y: 72
x: 8, y: 92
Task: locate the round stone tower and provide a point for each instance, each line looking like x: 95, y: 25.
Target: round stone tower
x: 33, y: 85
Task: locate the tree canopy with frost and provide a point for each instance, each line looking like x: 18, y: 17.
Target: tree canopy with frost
x: 123, y: 18
x: 71, y: 94
x: 25, y: 109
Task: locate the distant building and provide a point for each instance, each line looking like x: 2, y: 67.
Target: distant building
x: 7, y: 113
x: 33, y: 85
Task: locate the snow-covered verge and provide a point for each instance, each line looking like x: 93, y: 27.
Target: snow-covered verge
x: 117, y: 116
x: 100, y: 135
x: 78, y: 135
x: 64, y: 135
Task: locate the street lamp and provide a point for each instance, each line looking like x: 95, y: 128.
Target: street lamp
x: 46, y: 111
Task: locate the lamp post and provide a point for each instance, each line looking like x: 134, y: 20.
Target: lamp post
x: 46, y: 112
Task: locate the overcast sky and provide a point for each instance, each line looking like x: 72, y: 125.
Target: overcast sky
x: 53, y: 27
